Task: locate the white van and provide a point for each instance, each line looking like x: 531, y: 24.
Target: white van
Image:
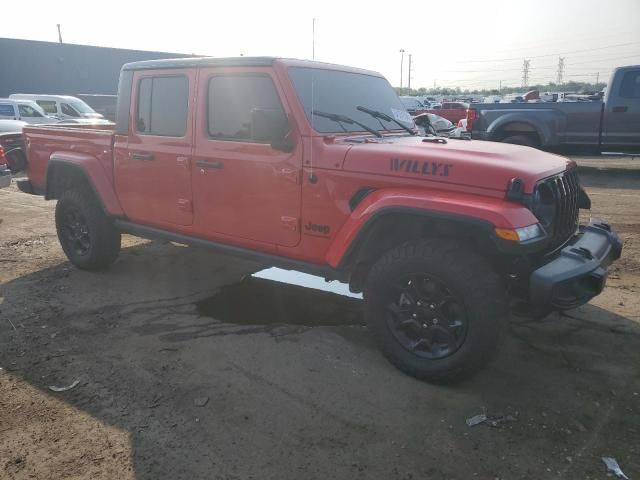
x: 25, y: 110
x: 63, y: 107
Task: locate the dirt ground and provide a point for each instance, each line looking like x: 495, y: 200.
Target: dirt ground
x: 288, y: 384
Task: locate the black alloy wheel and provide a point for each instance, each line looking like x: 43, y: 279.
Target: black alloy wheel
x: 425, y: 317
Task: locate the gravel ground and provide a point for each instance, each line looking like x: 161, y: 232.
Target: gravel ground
x: 292, y: 387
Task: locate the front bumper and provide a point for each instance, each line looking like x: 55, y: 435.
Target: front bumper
x: 579, y: 272
x: 5, y: 177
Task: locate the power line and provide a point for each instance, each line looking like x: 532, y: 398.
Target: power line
x: 549, y: 55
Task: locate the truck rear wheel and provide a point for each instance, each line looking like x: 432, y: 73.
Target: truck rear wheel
x: 436, y: 309
x: 87, y: 235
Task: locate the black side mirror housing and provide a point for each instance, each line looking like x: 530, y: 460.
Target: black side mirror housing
x: 271, y: 125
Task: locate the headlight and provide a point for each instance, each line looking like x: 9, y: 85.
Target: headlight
x: 523, y: 234
x: 530, y: 232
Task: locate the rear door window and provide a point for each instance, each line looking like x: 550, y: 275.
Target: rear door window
x: 630, y: 84
x: 163, y: 106
x: 231, y: 101
x: 6, y: 110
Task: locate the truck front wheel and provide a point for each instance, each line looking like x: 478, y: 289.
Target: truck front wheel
x: 437, y: 310
x: 87, y: 235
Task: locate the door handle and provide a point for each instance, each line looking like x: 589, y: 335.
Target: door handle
x: 215, y: 164
x: 142, y: 156
x: 620, y: 109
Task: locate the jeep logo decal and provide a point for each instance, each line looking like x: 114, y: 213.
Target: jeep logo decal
x: 420, y: 167
x: 313, y: 227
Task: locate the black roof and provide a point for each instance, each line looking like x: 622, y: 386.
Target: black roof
x: 201, y: 62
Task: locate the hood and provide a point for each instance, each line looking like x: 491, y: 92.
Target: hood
x: 92, y: 115
x: 474, y: 163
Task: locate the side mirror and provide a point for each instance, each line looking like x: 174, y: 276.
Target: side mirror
x: 271, y: 126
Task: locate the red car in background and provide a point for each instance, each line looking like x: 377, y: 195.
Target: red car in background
x: 452, y: 111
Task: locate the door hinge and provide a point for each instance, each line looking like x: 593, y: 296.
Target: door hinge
x: 184, y: 205
x: 290, y: 223
x: 292, y: 174
x: 183, y: 162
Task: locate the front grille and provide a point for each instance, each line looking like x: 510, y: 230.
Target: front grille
x: 563, y: 192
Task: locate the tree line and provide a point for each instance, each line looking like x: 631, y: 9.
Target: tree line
x: 581, y: 87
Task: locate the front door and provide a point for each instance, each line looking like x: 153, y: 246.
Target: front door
x: 153, y: 177
x: 243, y: 188
x: 622, y: 113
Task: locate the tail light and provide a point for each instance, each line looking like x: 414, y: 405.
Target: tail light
x: 3, y: 159
x: 472, y: 114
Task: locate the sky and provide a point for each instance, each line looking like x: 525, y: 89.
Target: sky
x: 458, y: 43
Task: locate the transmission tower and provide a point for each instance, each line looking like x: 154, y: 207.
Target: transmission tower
x: 525, y: 72
x: 560, y: 70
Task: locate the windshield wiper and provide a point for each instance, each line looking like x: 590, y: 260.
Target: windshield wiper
x: 385, y: 117
x: 348, y: 120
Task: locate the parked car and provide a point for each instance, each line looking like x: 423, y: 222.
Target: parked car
x: 430, y: 123
x: 452, y: 111
x: 62, y: 107
x: 460, y: 130
x: 610, y: 125
x: 25, y: 110
x: 105, y: 105
x: 318, y: 168
x: 412, y: 105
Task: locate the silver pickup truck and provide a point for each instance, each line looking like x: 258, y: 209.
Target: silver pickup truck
x: 610, y: 125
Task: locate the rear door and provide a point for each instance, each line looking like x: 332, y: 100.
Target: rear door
x: 243, y: 188
x: 621, y: 119
x: 153, y: 178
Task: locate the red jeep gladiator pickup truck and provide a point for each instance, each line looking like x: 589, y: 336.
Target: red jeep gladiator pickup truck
x: 318, y: 168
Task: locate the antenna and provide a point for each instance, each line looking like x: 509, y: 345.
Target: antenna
x: 59, y: 33
x: 312, y: 177
x: 525, y: 72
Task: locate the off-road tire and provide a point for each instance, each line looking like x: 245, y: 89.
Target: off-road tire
x: 520, y: 140
x: 102, y: 238
x: 466, y: 275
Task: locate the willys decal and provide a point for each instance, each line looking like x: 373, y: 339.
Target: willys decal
x: 420, y: 167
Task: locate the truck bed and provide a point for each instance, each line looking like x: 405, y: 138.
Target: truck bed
x: 569, y: 123
x: 43, y: 141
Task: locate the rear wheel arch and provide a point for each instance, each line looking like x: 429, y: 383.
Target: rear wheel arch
x: 519, y: 129
x: 63, y: 176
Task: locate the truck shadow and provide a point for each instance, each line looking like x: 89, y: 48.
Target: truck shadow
x: 183, y: 351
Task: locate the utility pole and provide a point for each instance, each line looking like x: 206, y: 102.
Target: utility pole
x: 409, y: 74
x: 59, y: 33
x: 500, y: 87
x: 525, y: 72
x: 597, y: 77
x: 401, y: 65
x: 560, y: 78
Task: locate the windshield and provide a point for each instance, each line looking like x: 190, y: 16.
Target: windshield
x: 341, y: 93
x: 81, y: 107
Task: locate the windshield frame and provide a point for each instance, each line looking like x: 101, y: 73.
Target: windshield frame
x: 305, y: 108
